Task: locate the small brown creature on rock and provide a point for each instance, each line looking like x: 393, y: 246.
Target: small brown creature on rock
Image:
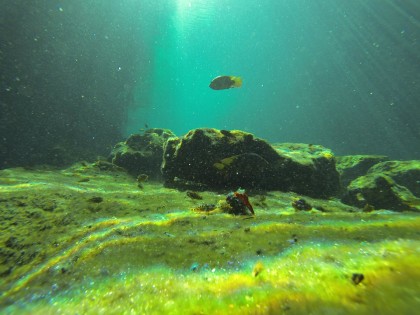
x: 239, y: 202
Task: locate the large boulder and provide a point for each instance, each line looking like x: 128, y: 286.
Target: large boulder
x: 142, y: 153
x: 393, y: 185
x: 307, y: 169
x: 217, y: 159
x: 352, y: 166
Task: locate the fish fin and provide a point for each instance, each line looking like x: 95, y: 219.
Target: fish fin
x: 237, y: 81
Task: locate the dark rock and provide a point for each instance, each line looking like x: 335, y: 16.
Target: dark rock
x: 142, y: 154
x: 357, y: 278
x: 352, y: 166
x: 404, y: 173
x: 392, y: 185
x: 194, y: 195
x: 232, y: 159
x: 217, y: 159
x: 308, y: 169
x: 301, y: 204
x: 96, y: 199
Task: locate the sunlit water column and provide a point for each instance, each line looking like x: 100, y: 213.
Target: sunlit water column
x: 188, y: 54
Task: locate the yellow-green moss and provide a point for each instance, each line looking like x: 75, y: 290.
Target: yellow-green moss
x: 145, y: 251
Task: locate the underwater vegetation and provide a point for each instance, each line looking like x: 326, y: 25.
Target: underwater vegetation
x: 119, y: 238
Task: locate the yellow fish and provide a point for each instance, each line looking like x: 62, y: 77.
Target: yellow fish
x: 225, y: 82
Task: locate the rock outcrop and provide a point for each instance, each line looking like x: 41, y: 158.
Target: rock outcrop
x: 221, y: 159
x: 393, y: 185
x: 307, y: 169
x: 142, y: 153
x: 352, y: 166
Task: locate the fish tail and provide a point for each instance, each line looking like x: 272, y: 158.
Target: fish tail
x: 237, y: 81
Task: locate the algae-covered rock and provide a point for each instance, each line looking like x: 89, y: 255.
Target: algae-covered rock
x: 218, y: 159
x: 405, y: 173
x: 232, y: 159
x: 393, y: 185
x: 142, y: 153
x: 308, y: 169
x: 352, y: 166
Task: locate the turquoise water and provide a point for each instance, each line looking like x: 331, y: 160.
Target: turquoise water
x: 79, y: 76
x: 340, y: 73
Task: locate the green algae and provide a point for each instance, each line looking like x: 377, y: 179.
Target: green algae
x: 312, y: 278
x: 132, y: 250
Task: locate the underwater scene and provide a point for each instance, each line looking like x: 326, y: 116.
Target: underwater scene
x: 209, y: 157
